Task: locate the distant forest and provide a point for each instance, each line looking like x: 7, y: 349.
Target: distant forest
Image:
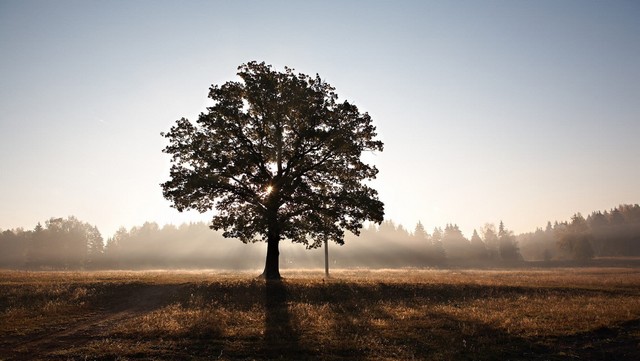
x: 70, y: 244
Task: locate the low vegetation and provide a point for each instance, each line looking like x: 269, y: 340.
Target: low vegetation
x: 549, y: 314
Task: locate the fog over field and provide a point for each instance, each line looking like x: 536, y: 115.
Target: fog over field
x: 68, y: 243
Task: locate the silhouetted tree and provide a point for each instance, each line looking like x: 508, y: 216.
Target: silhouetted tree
x: 478, y: 248
x: 113, y: 250
x: 491, y: 241
x: 278, y: 157
x: 437, y: 234
x: 455, y: 244
x: 35, y: 255
x: 507, y: 244
x: 95, y: 246
x: 64, y: 243
x: 575, y: 238
x: 419, y: 233
x: 424, y: 247
x: 436, y: 241
x: 539, y: 245
x: 616, y: 218
x: 387, y: 229
x: 600, y: 231
x: 13, y: 248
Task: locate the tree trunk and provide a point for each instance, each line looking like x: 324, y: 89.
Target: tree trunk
x: 272, y: 263
x: 326, y: 258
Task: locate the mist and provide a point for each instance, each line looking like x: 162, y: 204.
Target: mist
x: 70, y: 244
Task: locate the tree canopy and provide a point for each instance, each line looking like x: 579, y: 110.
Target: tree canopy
x: 277, y: 156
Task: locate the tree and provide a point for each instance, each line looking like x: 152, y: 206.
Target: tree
x: 599, y: 227
x: 13, y: 246
x: 64, y: 243
x: 113, y: 249
x: 438, y: 248
x: 278, y: 156
x: 491, y: 240
x: 419, y: 232
x: 437, y: 234
x: 478, y: 248
x: 95, y: 245
x: 455, y: 244
x: 576, y: 239
x: 508, y: 245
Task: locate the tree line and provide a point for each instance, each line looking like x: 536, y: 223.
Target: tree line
x: 61, y: 244
x: 70, y: 244
x: 614, y: 233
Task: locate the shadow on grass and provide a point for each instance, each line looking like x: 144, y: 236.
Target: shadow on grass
x: 360, y: 320
x: 281, y: 339
x: 379, y: 321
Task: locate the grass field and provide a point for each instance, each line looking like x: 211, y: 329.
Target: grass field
x: 553, y: 314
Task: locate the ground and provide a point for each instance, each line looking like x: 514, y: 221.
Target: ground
x: 537, y: 314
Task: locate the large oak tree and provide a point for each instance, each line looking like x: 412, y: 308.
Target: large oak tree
x: 277, y: 156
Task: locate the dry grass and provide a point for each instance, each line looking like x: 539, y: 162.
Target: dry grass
x: 376, y: 315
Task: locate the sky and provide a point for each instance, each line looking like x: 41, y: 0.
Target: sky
x: 520, y: 111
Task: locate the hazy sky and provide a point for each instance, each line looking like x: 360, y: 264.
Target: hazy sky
x: 521, y: 111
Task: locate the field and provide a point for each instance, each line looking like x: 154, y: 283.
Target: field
x: 544, y: 314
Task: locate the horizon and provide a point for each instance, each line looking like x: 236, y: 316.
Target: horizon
x: 517, y: 112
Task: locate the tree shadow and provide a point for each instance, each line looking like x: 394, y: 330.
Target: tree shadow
x: 281, y: 339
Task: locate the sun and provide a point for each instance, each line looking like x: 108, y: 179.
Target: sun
x: 269, y: 189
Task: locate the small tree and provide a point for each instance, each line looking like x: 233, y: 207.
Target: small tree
x: 278, y: 157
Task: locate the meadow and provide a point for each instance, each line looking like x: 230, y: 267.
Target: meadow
x: 523, y: 314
